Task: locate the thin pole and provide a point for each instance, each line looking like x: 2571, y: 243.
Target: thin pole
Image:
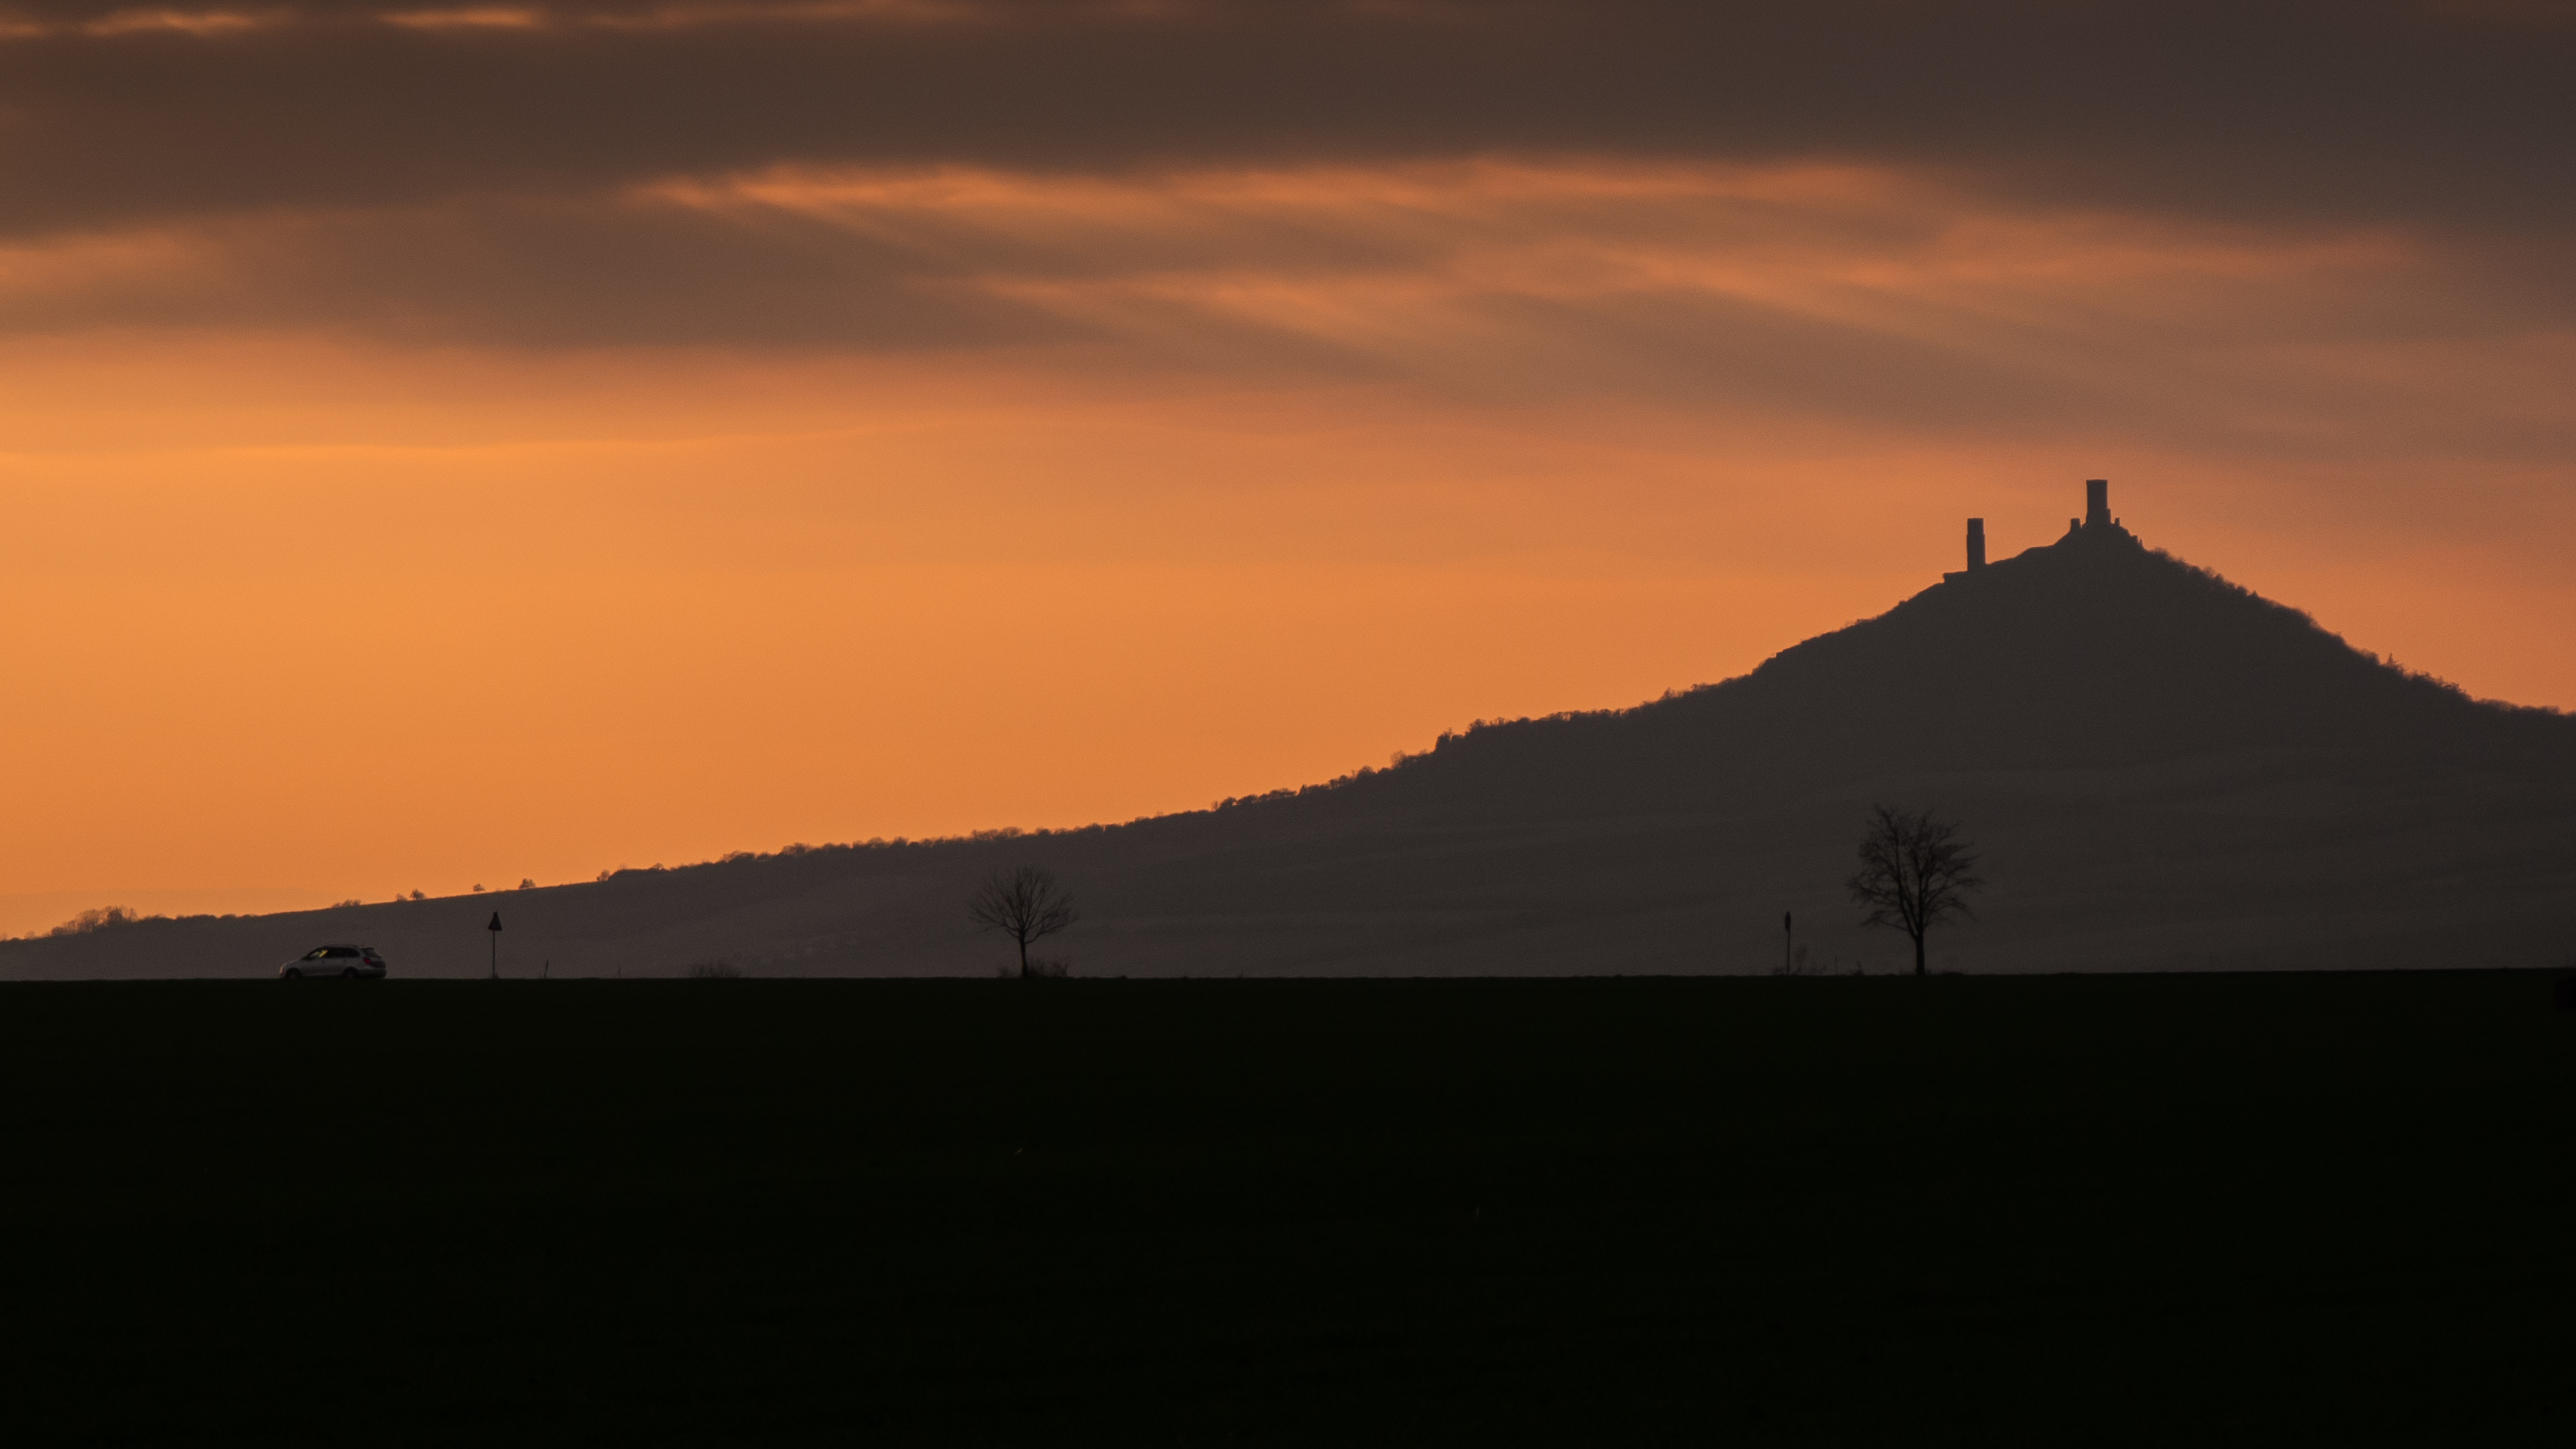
x: 1788, y: 943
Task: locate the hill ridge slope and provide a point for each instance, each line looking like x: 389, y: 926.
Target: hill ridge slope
x: 2166, y: 770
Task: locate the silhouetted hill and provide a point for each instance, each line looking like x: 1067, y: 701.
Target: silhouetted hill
x: 2090, y: 653
x: 2164, y: 770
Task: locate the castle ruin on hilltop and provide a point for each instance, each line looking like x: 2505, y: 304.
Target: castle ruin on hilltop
x: 2097, y: 522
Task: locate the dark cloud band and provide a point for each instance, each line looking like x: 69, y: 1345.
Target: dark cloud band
x: 2430, y: 117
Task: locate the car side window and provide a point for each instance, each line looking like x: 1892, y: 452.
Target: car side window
x: 318, y: 953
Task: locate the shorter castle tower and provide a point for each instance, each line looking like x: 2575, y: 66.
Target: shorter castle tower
x: 2095, y: 530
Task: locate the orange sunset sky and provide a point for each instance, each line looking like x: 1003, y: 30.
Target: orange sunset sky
x: 442, y: 447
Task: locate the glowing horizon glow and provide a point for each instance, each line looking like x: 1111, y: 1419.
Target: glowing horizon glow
x: 529, y: 533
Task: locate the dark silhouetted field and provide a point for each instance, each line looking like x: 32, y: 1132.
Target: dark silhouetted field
x: 2101, y: 1210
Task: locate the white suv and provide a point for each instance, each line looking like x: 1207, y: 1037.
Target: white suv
x: 350, y: 962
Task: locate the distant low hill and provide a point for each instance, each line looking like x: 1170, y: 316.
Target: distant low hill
x: 2165, y: 771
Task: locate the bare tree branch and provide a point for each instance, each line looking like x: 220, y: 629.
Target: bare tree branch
x: 1024, y: 904
x: 1915, y: 872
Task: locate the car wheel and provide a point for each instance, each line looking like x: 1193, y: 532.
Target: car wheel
x: 349, y: 973
x: 294, y: 975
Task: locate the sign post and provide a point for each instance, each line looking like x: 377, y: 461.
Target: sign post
x: 1788, y: 947
x: 495, y: 929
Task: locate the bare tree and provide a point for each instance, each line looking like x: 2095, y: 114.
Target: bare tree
x: 1914, y: 872
x: 1023, y: 904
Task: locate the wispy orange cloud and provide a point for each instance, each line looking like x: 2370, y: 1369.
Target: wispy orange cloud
x: 200, y: 23
x: 487, y: 17
x: 1827, y: 292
